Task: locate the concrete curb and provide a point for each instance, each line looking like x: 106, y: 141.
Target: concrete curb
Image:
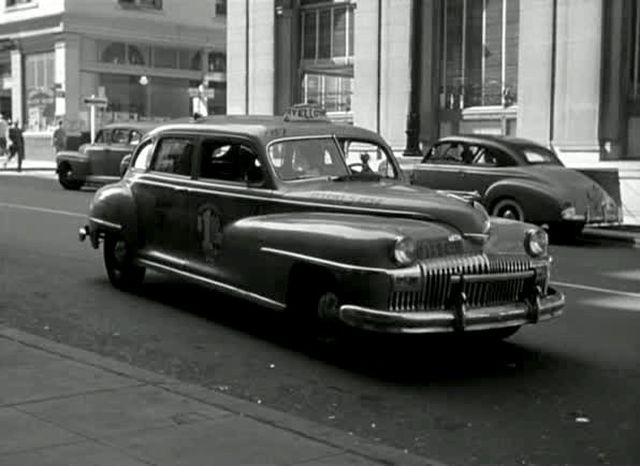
x: 28, y: 169
x: 298, y: 426
x: 628, y: 238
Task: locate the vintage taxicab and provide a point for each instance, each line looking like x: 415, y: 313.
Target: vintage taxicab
x: 315, y: 218
x: 99, y: 162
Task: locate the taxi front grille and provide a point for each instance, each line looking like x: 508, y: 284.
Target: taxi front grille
x: 484, y: 280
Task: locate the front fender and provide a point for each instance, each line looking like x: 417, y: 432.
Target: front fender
x: 539, y: 202
x: 78, y: 161
x: 113, y: 211
x: 260, y: 253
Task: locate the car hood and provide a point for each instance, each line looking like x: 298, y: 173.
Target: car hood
x: 394, y: 199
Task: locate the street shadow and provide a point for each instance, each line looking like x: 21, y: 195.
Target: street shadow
x: 406, y: 359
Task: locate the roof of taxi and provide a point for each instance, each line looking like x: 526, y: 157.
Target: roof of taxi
x: 268, y: 127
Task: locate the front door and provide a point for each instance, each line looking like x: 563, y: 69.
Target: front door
x: 98, y: 153
x: 120, y: 146
x: 162, y: 200
x: 229, y: 186
x: 442, y: 168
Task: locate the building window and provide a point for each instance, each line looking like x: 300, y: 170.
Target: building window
x: 151, y: 4
x: 39, y: 84
x: 326, y: 63
x: 327, y: 32
x: 480, y: 53
x: 221, y: 7
x: 11, y: 3
x: 217, y: 62
x: 333, y: 93
x: 114, y: 53
x: 165, y: 58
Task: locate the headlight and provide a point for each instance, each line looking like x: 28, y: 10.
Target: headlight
x: 536, y: 242
x: 404, y: 251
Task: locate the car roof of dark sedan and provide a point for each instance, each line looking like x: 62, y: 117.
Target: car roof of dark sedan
x: 268, y: 127
x: 142, y: 126
x: 505, y: 140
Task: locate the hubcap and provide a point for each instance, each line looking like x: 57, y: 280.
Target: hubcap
x: 120, y: 252
x: 328, y: 305
x: 510, y: 214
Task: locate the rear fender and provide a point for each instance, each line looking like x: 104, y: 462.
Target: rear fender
x: 113, y: 211
x: 539, y: 202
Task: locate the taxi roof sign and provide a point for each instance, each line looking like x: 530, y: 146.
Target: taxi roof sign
x: 306, y: 112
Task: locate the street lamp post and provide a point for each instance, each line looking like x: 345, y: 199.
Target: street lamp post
x: 413, y: 117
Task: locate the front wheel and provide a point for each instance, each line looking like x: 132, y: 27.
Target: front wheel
x: 119, y: 262
x: 65, y: 178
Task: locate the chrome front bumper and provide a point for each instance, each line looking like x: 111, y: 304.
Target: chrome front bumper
x: 459, y: 319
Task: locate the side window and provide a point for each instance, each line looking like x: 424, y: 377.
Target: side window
x: 366, y: 157
x: 173, y: 155
x: 142, y: 155
x: 229, y: 161
x: 445, y: 153
x: 103, y: 137
x: 135, y: 137
x: 493, y: 158
x: 120, y: 136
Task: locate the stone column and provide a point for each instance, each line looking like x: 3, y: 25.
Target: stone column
x: 17, y: 86
x: 535, y: 69
x: 394, y: 57
x: 578, y: 83
x: 250, y: 57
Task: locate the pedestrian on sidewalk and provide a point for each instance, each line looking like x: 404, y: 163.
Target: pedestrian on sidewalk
x: 17, y: 144
x: 4, y: 135
x: 59, y: 138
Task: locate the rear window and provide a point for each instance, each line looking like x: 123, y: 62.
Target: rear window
x: 539, y: 155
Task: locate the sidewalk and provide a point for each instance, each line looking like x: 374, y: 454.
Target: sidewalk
x: 27, y: 165
x: 61, y: 405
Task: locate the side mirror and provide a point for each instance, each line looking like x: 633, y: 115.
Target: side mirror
x: 124, y: 164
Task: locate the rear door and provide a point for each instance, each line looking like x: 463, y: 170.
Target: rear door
x: 162, y: 198
x: 489, y: 165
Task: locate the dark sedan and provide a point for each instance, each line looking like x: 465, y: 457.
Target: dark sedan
x: 99, y: 162
x: 517, y: 179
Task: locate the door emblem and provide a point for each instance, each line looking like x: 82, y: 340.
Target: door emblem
x: 209, y: 231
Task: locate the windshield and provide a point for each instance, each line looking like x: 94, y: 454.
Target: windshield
x: 539, y: 155
x: 300, y: 159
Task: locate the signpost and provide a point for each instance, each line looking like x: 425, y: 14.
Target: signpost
x: 93, y: 102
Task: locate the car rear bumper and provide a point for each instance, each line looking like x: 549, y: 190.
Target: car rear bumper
x: 484, y: 318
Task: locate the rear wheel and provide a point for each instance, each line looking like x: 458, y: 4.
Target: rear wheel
x: 508, y: 208
x: 65, y: 177
x: 119, y: 262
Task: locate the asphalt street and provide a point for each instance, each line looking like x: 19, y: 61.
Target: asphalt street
x: 562, y: 392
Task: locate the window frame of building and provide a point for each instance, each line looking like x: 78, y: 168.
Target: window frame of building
x: 141, y: 4
x: 16, y: 4
x: 457, y: 92
x: 220, y: 8
x: 318, y: 10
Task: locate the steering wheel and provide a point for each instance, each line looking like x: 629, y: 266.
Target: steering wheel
x: 360, y: 167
